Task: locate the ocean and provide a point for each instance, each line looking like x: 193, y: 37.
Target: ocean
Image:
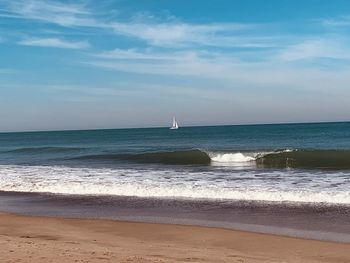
x: 244, y: 176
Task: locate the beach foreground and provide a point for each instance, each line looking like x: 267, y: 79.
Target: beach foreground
x: 43, y: 239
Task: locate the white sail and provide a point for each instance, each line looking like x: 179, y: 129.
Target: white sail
x: 175, y: 125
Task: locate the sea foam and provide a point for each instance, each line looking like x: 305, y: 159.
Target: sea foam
x: 272, y: 186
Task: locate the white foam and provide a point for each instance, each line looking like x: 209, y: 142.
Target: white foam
x: 231, y: 157
x: 275, y: 186
x: 239, y: 157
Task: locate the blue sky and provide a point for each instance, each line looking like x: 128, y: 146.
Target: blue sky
x: 113, y: 63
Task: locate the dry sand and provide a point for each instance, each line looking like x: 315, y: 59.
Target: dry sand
x: 42, y: 239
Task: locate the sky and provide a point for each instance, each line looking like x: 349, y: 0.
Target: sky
x: 88, y: 64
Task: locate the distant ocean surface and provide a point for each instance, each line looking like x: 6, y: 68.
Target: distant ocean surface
x: 294, y: 163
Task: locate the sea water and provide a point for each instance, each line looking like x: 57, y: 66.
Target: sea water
x: 296, y: 163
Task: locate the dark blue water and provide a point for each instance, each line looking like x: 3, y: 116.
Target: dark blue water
x: 287, y: 162
x: 44, y: 146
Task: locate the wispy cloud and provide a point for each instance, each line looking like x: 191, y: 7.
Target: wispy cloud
x: 341, y: 21
x: 317, y: 48
x: 280, y: 71
x: 146, y: 54
x: 63, y: 14
x: 182, y: 34
x: 171, y: 33
x: 165, y: 33
x: 55, y: 42
x: 173, y: 47
x: 188, y: 63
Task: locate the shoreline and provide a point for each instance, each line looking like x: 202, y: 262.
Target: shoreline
x: 327, y: 223
x: 45, y: 239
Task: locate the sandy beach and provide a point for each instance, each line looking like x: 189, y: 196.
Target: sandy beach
x: 174, y: 131
x: 44, y: 239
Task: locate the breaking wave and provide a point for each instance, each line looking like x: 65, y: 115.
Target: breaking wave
x: 285, y: 158
x: 317, y: 159
x: 272, y: 186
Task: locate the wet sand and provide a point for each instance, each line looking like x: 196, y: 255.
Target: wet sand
x: 308, y: 221
x: 44, y: 239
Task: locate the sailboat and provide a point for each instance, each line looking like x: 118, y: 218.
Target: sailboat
x: 175, y: 125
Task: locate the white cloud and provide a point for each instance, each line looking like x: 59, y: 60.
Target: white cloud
x: 188, y: 63
x: 169, y: 33
x: 54, y: 42
x: 148, y: 54
x: 63, y: 14
x: 182, y: 34
x: 165, y: 33
x: 279, y: 72
x: 318, y: 48
x: 269, y: 60
x: 341, y: 21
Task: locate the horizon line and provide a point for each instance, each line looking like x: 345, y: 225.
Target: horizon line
x: 185, y: 126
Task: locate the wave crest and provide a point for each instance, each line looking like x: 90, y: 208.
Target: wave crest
x: 195, y: 157
x: 232, y: 157
x: 308, y: 159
